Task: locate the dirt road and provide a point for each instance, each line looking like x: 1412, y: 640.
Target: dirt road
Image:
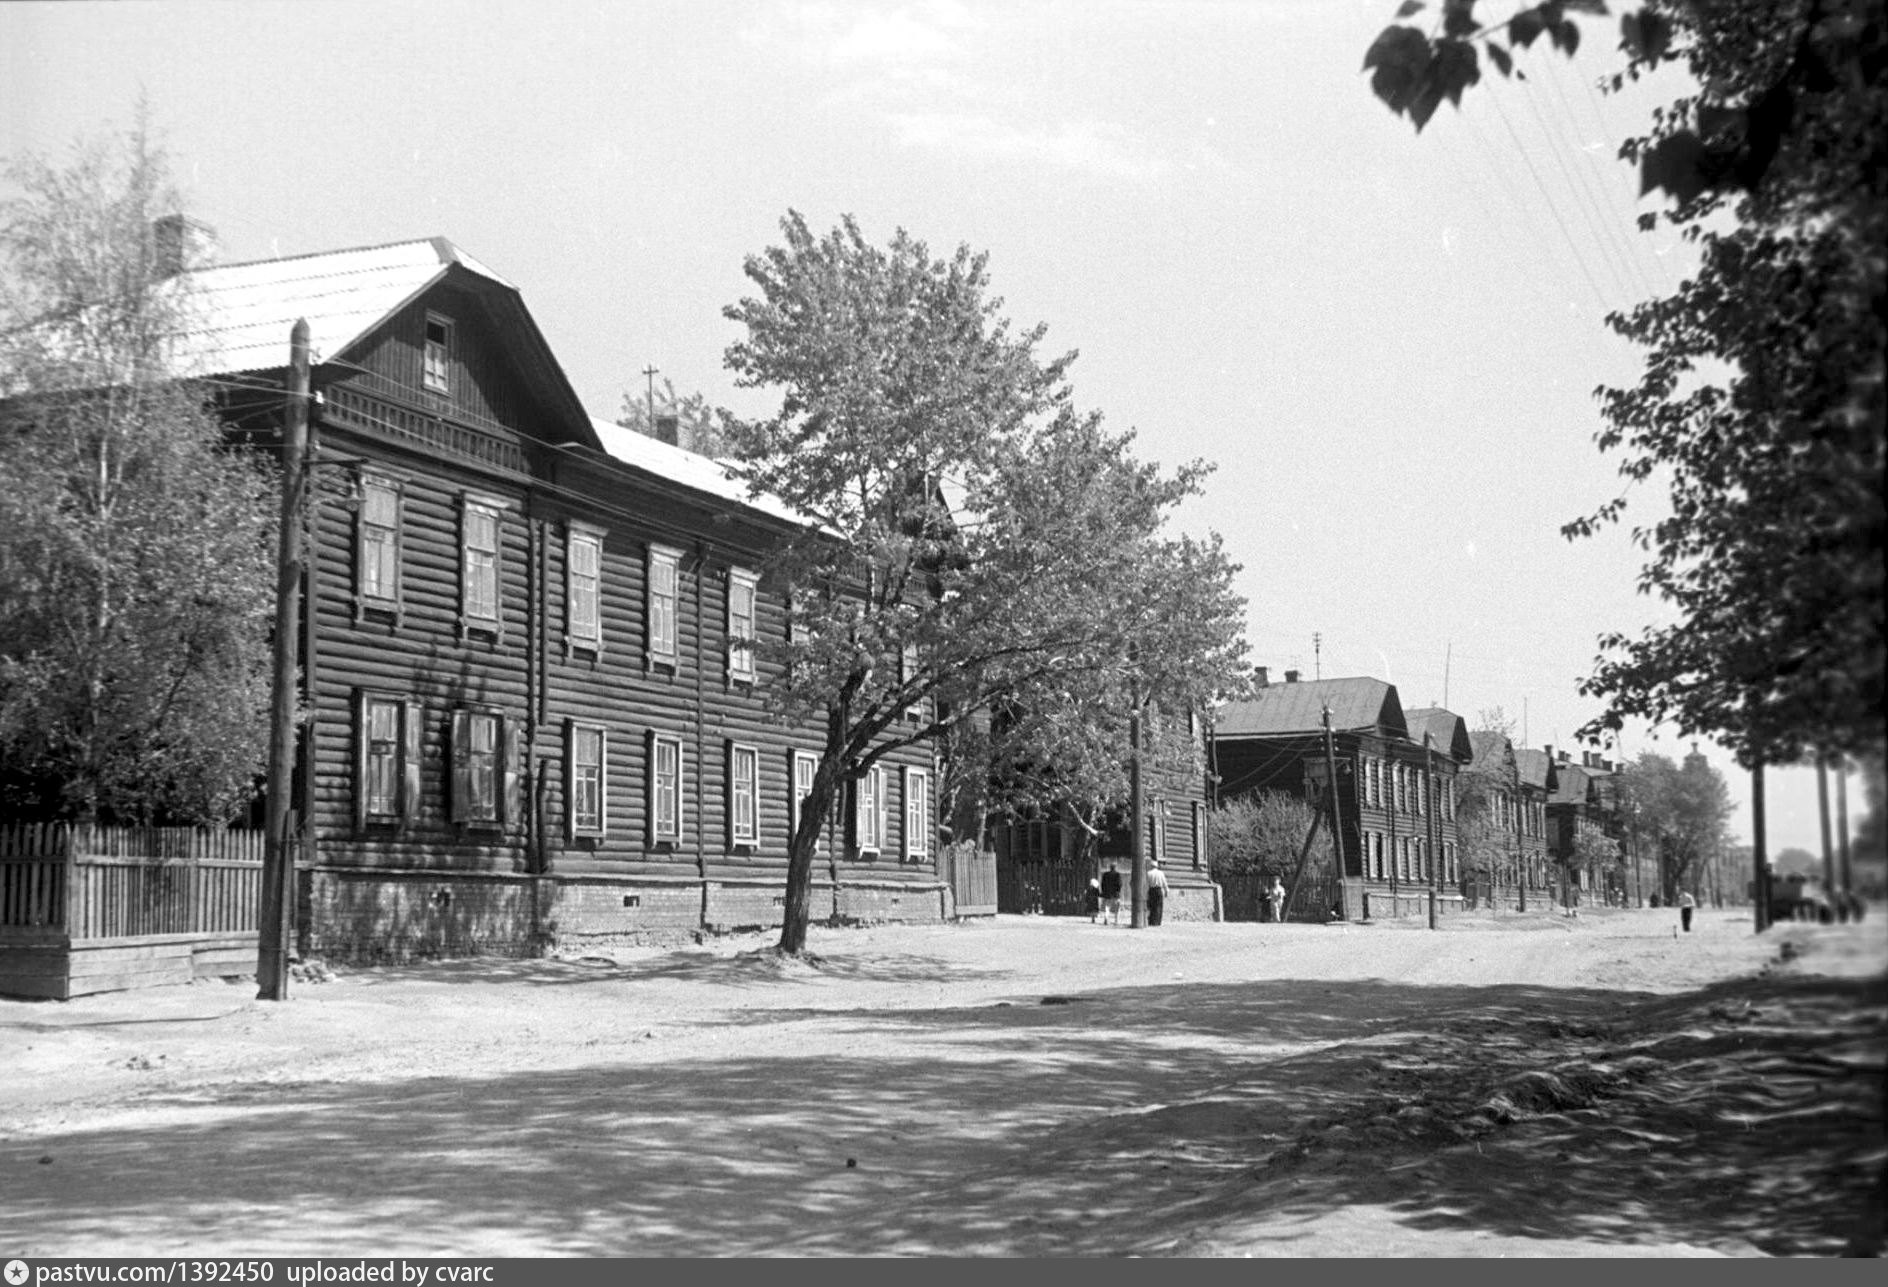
x: 1025, y: 1086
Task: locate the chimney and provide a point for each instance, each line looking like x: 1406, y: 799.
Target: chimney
x: 180, y: 244
x: 1291, y: 676
x: 669, y: 430
x: 1265, y: 678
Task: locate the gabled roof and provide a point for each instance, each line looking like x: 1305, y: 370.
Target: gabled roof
x: 1536, y: 768
x: 1449, y: 730
x: 237, y: 317
x: 1358, y: 704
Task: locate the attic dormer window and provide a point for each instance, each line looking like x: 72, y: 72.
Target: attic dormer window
x: 433, y: 361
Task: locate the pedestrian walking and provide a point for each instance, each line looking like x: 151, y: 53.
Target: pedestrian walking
x: 1111, y: 893
x: 1278, y: 899
x: 1685, y: 903
x: 1091, y: 900
x: 1156, y: 891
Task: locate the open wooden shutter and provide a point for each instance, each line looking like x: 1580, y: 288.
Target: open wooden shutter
x: 461, y: 793
x: 570, y: 780
x: 412, y: 728
x: 511, y: 766
x: 361, y: 744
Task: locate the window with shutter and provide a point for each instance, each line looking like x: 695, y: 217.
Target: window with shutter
x: 475, y: 767
x: 743, y: 796
x: 869, y: 810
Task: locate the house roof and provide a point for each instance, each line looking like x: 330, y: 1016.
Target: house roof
x: 236, y: 318
x: 1357, y: 704
x: 1449, y: 729
x: 1536, y: 768
x: 688, y: 468
x: 1573, y: 785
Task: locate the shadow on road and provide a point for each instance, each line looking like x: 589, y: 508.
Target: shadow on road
x: 1144, y: 1119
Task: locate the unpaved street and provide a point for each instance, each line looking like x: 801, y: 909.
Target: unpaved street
x: 1506, y: 1086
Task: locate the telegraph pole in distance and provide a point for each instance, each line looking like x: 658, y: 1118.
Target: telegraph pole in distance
x: 650, y: 373
x: 1337, y: 820
x: 279, y: 851
x: 1428, y: 798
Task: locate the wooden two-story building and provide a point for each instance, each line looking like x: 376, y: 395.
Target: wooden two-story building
x: 1396, y: 828
x: 1519, y: 782
x: 535, y: 708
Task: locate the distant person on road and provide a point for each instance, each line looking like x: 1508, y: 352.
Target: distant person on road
x: 1156, y: 891
x: 1091, y: 900
x: 1111, y: 893
x: 1685, y: 903
x: 1277, y: 895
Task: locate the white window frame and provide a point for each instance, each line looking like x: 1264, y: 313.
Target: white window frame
x: 670, y: 791
x: 869, y: 810
x: 583, y: 589
x: 805, y: 765
x: 916, y: 792
x: 436, y: 357
x: 743, y: 628
x: 662, y: 613
x: 743, y: 796
x: 481, y: 567
x: 583, y: 779
x: 377, y: 545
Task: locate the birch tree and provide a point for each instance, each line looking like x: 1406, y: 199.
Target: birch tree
x: 135, y: 575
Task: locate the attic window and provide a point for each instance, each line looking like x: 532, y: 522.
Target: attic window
x: 433, y: 362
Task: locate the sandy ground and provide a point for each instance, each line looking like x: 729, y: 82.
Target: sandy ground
x: 1512, y: 1086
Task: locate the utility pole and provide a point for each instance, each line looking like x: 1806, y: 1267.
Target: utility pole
x: 278, y: 866
x: 1759, y: 860
x: 650, y: 373
x: 1842, y: 827
x: 1317, y: 655
x: 1337, y: 819
x: 1137, y: 821
x: 1828, y: 843
x: 1428, y: 799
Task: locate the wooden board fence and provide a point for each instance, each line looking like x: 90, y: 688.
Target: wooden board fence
x: 116, y: 882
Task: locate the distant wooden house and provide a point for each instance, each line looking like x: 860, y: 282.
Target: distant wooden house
x: 1046, y: 859
x: 1520, y: 782
x: 1396, y: 831
x: 1585, y: 805
x: 535, y: 701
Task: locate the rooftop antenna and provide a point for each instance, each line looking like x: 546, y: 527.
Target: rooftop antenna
x: 1317, y: 655
x: 1523, y: 719
x: 1448, y: 650
x: 650, y: 372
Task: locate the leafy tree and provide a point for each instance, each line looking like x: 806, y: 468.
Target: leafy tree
x: 1262, y: 834
x: 135, y: 572
x: 698, y: 426
x: 1683, y: 810
x: 1761, y: 404
x: 1037, y: 585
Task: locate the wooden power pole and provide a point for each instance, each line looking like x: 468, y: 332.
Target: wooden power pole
x: 278, y: 863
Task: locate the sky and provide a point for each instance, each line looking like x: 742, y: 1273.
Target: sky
x: 1386, y: 342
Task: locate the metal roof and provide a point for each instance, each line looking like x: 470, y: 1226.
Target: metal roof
x: 237, y: 317
x: 1357, y: 704
x: 679, y: 465
x: 1449, y: 729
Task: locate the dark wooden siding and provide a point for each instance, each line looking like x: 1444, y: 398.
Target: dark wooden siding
x: 482, y: 383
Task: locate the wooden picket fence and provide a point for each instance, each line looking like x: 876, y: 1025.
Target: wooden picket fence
x: 89, y: 882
